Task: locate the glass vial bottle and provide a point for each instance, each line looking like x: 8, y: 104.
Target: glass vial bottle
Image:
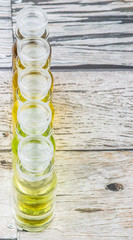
x: 35, y: 106
x: 33, y: 53
x: 31, y: 22
x: 33, y: 118
x: 33, y: 84
x: 34, y: 184
x: 28, y: 72
x: 46, y: 99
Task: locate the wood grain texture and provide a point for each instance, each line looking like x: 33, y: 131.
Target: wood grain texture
x: 5, y: 34
x: 84, y: 208
x: 88, y: 33
x: 93, y: 110
x: 8, y: 228
x: 5, y: 110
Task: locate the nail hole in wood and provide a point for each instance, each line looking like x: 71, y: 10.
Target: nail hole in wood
x: 6, y: 134
x: 114, y: 187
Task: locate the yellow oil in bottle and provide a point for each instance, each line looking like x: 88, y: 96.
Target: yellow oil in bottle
x: 20, y: 66
x: 34, y: 202
x: 34, y: 183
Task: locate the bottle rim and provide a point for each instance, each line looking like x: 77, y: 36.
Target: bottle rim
x: 42, y: 160
x: 23, y: 19
x: 39, y: 93
x: 41, y: 126
x: 24, y: 57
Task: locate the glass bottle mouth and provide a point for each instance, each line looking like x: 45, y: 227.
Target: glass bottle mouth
x: 34, y: 84
x: 32, y: 21
x: 33, y: 51
x: 35, y: 153
x: 34, y: 117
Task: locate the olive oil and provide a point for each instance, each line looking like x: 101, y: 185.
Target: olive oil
x: 33, y: 145
x: 34, y: 184
x: 34, y: 203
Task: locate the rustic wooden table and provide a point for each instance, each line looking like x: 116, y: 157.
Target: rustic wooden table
x: 92, y: 63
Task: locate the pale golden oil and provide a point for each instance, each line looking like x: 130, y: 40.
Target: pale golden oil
x: 20, y: 66
x: 34, y: 202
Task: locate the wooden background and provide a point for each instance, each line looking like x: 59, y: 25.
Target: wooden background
x: 92, y: 62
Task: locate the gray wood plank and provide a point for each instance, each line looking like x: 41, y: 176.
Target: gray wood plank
x: 5, y: 34
x: 88, y: 33
x: 5, y: 109
x: 93, y: 110
x: 8, y: 228
x: 84, y: 208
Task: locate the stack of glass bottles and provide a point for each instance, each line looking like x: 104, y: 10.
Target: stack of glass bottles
x: 33, y: 145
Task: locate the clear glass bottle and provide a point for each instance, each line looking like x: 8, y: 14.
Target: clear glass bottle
x: 34, y: 184
x: 33, y: 84
x: 33, y: 53
x: 32, y: 119
x: 36, y: 107
x: 27, y: 72
x: 31, y: 22
x: 45, y: 97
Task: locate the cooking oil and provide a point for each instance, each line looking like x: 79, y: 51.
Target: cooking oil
x: 34, y: 184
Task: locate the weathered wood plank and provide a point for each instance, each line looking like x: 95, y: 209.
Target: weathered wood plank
x: 8, y: 228
x: 5, y: 110
x: 84, y: 208
x: 88, y: 33
x: 5, y: 34
x: 93, y: 110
